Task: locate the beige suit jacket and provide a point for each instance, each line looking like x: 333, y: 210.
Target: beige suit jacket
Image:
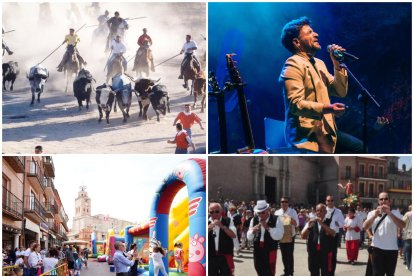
x: 306, y: 91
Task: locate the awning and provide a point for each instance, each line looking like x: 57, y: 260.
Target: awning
x: 30, y: 225
x: 53, y: 236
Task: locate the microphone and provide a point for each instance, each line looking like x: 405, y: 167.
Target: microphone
x: 339, y: 55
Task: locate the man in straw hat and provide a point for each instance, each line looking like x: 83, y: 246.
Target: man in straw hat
x: 265, y: 230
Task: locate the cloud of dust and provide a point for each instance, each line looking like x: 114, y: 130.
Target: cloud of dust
x: 35, y: 37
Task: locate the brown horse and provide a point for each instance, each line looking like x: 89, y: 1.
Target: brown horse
x: 144, y: 61
x: 190, y: 71
x: 115, y: 69
x: 200, y: 89
x: 71, y: 68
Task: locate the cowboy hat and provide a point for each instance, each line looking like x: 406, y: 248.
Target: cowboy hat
x: 261, y: 206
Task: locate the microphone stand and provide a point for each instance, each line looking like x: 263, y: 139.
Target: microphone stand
x: 363, y: 97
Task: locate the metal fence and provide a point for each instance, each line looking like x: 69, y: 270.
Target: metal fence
x: 61, y: 270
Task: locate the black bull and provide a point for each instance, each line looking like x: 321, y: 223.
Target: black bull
x: 156, y: 95
x: 82, y: 87
x: 10, y: 72
x: 105, y: 97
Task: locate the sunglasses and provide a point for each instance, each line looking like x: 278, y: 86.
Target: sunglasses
x: 215, y: 212
x: 329, y: 200
x: 284, y: 201
x: 261, y: 213
x: 384, y: 198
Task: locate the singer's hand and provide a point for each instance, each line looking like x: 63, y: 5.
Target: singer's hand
x: 211, y: 227
x: 332, y: 49
x: 336, y: 108
x: 378, y: 211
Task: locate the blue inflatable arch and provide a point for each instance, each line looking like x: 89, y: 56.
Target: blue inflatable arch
x: 190, y: 173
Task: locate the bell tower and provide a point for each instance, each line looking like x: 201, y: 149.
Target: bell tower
x: 82, y: 203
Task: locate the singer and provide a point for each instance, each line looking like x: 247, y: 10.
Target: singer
x: 310, y: 115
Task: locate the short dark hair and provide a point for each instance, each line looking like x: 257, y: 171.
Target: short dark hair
x: 291, y: 30
x: 179, y: 126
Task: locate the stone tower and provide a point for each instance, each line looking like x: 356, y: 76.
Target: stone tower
x: 82, y: 210
x: 82, y: 204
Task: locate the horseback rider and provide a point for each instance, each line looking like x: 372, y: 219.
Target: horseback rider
x: 114, y: 23
x: 144, y: 43
x: 188, y: 49
x: 118, y: 50
x: 102, y: 19
x: 71, y: 39
x: 5, y: 47
x: 144, y: 37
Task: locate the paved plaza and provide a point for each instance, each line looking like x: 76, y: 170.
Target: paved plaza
x: 244, y: 262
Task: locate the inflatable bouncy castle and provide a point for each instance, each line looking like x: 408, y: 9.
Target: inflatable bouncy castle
x: 190, y: 174
x: 138, y: 235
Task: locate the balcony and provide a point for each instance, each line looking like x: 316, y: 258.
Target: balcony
x: 49, y: 210
x: 53, y: 226
x: 12, y: 206
x: 48, y: 166
x: 35, y: 174
x: 34, y: 210
x: 16, y: 162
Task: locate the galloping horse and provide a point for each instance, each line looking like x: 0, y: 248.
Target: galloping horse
x: 143, y: 62
x: 200, y: 90
x: 115, y: 68
x: 190, y: 70
x: 71, y: 67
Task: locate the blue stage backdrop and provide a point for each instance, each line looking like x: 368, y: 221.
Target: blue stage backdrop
x: 378, y: 33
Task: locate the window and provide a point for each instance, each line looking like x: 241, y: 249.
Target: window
x: 401, y: 184
x: 381, y: 172
x: 348, y: 172
x: 361, y: 170
x: 380, y: 188
x: 270, y: 160
x: 371, y: 171
x: 371, y: 190
x: 32, y: 200
x: 361, y: 189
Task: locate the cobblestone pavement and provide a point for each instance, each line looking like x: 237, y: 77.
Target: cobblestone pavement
x: 244, y: 262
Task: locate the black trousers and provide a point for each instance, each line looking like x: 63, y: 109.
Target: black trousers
x: 262, y: 262
x: 320, y: 263
x: 217, y: 265
x: 287, y: 256
x: 348, y: 144
x: 384, y: 262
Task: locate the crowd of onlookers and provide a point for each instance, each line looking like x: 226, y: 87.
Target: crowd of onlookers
x: 242, y: 213
x: 34, y: 260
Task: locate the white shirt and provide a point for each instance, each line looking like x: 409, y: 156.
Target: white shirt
x: 187, y: 47
x: 27, y: 254
x: 291, y: 213
x: 49, y: 263
x: 362, y: 215
x: 386, y: 235
x: 34, y: 259
x: 157, y: 258
x: 19, y: 261
x: 217, y: 233
x: 117, y: 47
x: 352, y: 235
x: 337, y: 218
x: 276, y: 233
